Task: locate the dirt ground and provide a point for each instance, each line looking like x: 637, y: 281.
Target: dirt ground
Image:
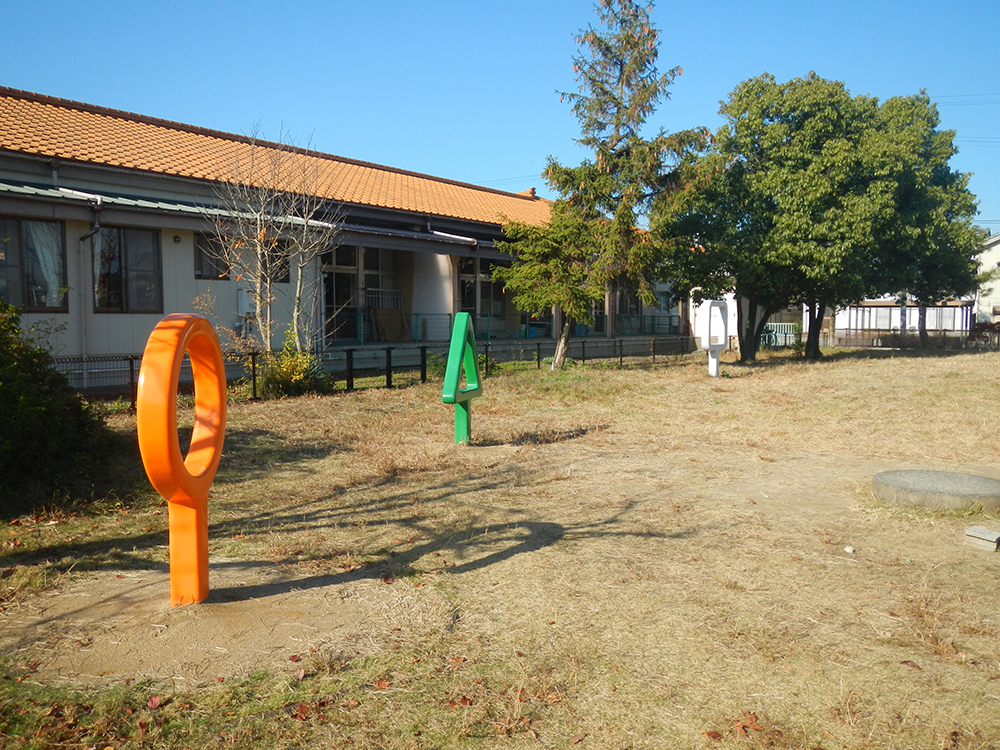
x: 713, y: 543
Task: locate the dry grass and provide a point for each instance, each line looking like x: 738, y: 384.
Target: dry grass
x: 644, y: 556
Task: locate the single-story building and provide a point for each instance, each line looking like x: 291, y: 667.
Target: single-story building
x: 106, y: 218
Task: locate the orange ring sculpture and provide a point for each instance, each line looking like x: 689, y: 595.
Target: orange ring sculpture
x: 183, y: 481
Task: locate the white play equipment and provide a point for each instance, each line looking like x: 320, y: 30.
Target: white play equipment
x: 712, y: 330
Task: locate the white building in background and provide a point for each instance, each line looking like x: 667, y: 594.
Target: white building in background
x: 988, y: 300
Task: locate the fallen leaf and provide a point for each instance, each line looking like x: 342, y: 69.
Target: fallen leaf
x: 387, y: 579
x: 714, y: 735
x: 909, y: 663
x: 465, y: 700
x: 295, y: 657
x: 381, y: 684
x: 299, y: 674
x: 576, y: 739
x: 154, y: 703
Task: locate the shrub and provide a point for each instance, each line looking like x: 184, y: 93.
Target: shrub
x: 290, y: 372
x: 437, y: 365
x: 52, y: 443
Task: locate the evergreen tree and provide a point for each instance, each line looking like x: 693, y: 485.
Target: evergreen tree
x: 611, y: 194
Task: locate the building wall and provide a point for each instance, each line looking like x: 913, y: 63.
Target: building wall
x: 82, y: 331
x: 989, y: 297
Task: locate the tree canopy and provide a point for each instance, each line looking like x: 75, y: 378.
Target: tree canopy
x: 813, y: 196
x: 606, y: 198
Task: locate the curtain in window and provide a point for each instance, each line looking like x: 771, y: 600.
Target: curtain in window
x: 43, y: 264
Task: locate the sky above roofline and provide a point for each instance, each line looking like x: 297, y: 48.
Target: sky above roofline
x: 469, y: 91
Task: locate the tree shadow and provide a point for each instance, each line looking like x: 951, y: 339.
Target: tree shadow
x: 542, y: 437
x: 842, y: 355
x: 424, y: 546
x: 250, y: 453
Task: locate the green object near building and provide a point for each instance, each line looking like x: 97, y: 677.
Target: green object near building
x: 462, y: 359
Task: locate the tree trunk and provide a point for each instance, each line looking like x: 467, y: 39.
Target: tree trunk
x: 262, y: 313
x: 816, y: 312
x: 562, y: 344
x: 298, y: 334
x: 750, y: 321
x: 925, y: 340
x: 746, y: 312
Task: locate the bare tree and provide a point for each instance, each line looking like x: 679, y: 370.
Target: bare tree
x: 270, y: 226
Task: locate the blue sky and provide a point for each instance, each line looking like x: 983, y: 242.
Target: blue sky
x: 468, y: 90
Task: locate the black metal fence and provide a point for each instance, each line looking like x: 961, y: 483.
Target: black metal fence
x: 370, y: 366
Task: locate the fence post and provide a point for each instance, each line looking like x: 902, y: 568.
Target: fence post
x: 538, y: 356
x: 131, y: 379
x: 652, y: 348
x: 486, y: 369
x: 349, y: 376
x: 253, y: 374
x: 583, y: 351
x: 388, y: 367
x: 423, y: 364
x: 621, y: 352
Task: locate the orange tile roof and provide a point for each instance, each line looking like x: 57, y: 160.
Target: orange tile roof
x: 62, y: 129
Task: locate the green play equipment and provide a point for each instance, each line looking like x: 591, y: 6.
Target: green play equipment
x: 462, y: 360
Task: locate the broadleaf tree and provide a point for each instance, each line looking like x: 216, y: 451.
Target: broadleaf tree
x: 815, y: 197
x: 935, y: 209
x: 610, y: 194
x: 552, y: 270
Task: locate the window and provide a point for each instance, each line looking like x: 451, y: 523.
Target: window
x: 490, y: 292
x: 471, y: 281
x: 32, y: 264
x: 380, y: 279
x: 208, y: 258
x: 127, y: 274
x: 280, y: 257
x: 340, y: 284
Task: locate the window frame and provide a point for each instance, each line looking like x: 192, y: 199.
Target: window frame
x: 21, y: 264
x: 205, y: 260
x: 126, y: 269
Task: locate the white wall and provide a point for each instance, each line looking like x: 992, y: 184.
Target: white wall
x: 988, y: 298
x: 82, y: 331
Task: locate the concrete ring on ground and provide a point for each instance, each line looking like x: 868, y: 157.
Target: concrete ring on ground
x: 937, y: 490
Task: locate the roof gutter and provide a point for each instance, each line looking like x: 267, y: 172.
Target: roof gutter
x: 98, y: 204
x: 455, y: 237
